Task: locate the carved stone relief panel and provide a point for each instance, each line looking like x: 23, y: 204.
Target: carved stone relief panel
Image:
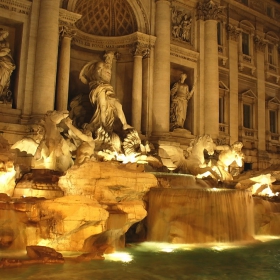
x: 182, y: 25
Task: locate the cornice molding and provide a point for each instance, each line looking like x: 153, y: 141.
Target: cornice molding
x: 93, y: 42
x: 183, y: 53
x: 18, y: 6
x: 67, y: 17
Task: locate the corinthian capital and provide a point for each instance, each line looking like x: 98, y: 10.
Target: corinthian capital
x: 66, y: 31
x: 260, y: 43
x: 208, y: 9
x: 233, y: 32
x: 139, y: 49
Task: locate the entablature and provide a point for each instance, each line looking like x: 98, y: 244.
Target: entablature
x: 93, y: 42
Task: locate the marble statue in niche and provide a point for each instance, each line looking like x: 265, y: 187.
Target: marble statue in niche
x: 102, y: 96
x: 105, y: 119
x: 180, y: 96
x: 7, y: 66
x: 181, y: 25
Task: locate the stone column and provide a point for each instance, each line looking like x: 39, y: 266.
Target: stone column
x: 147, y: 91
x: 64, y: 68
x: 209, y: 11
x: 30, y: 60
x: 137, y: 88
x: 161, y: 99
x: 198, y: 98
x: 233, y: 35
x: 46, y: 57
x: 260, y: 49
x: 114, y: 70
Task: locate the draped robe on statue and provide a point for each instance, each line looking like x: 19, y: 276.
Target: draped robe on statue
x: 111, y: 111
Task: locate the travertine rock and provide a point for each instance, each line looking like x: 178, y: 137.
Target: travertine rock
x: 107, y: 182
x: 100, y: 203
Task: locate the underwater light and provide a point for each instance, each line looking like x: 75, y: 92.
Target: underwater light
x: 218, y: 248
x: 119, y: 256
x: 162, y: 247
x: 167, y: 250
x: 265, y: 238
x: 43, y: 242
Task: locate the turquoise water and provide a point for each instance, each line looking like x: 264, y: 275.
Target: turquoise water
x: 154, y: 261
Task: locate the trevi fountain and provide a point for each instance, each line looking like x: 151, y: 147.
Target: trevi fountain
x: 99, y: 201
x: 138, y: 140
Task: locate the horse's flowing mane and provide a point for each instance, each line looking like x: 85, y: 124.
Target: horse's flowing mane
x: 197, y: 140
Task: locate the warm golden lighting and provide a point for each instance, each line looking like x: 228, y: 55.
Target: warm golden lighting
x: 44, y: 242
x: 265, y: 238
x: 6, y: 177
x: 205, y: 174
x: 119, y: 256
x: 126, y: 159
x: 163, y: 247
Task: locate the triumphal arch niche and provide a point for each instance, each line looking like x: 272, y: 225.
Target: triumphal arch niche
x: 121, y: 27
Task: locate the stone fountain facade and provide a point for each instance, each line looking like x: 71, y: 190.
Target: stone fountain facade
x: 88, y: 104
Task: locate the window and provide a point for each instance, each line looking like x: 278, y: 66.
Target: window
x: 221, y: 110
x: 248, y: 166
x: 247, y: 115
x: 269, y: 11
x: 270, y: 54
x: 245, y: 43
x: 273, y: 121
x: 219, y: 33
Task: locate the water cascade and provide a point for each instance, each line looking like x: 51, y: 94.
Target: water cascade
x: 12, y: 232
x: 200, y: 215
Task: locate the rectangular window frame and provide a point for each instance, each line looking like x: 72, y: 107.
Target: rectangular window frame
x: 273, y: 124
x: 270, y: 11
x: 247, y: 115
x: 222, y: 110
x: 245, y: 43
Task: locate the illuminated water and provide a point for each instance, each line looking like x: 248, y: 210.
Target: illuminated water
x: 156, y: 261
x: 199, y: 215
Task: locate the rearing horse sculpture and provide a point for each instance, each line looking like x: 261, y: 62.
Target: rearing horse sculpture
x: 52, y: 150
x: 195, y: 163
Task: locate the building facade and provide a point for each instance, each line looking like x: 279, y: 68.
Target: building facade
x: 229, y: 50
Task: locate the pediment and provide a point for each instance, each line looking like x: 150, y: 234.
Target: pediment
x: 274, y: 100
x: 223, y: 86
x: 249, y: 93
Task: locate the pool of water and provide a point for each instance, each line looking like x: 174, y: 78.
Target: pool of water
x: 150, y: 261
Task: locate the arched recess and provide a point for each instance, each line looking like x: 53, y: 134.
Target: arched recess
x: 138, y: 10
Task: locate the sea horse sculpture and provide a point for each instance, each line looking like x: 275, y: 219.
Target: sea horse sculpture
x: 51, y: 151
x: 195, y: 163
